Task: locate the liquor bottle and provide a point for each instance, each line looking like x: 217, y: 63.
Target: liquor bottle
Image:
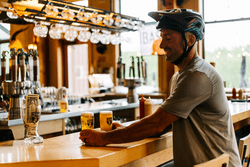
x: 141, y: 106
x: 240, y: 92
x: 63, y: 103
x: 148, y: 107
x: 234, y: 93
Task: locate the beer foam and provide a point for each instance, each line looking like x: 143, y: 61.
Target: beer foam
x: 87, y: 114
x: 106, y: 112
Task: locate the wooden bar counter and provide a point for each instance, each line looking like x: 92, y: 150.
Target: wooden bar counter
x: 240, y: 112
x: 68, y: 150
x: 54, y: 122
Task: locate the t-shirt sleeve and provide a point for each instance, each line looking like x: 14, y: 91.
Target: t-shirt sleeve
x: 191, y: 89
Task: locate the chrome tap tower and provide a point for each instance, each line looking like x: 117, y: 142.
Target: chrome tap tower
x: 19, y: 82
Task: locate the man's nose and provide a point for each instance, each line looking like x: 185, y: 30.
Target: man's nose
x: 162, y: 45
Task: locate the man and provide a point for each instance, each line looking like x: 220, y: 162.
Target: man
x: 197, y: 107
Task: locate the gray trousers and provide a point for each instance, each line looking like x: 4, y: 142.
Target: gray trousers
x: 167, y: 164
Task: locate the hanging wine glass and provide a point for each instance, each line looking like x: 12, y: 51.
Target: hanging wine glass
x: 58, y: 31
x: 95, y: 36
x: 80, y: 14
x: 84, y: 35
x: 140, y: 24
x: 55, y: 32
x: 118, y: 21
x: 70, y: 34
x: 12, y: 14
x: 36, y: 29
x: 44, y: 30
x: 67, y: 13
x: 28, y: 20
x: 115, y: 39
x: 40, y: 30
x: 51, y: 10
x: 65, y: 28
x: 105, y: 37
x: 108, y: 20
x: 83, y: 16
x: 95, y: 18
x: 52, y: 31
x: 130, y: 24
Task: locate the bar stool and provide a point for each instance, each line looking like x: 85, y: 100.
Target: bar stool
x: 221, y: 161
x: 244, y: 150
x: 6, y: 134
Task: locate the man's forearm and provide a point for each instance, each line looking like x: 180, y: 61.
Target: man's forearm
x: 146, y: 127
x: 134, y: 132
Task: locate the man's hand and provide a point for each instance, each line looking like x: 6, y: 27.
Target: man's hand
x: 116, y: 125
x: 92, y: 137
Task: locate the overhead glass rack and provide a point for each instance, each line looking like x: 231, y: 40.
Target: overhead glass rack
x: 66, y: 13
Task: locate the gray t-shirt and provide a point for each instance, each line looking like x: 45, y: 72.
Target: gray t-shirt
x: 205, y: 129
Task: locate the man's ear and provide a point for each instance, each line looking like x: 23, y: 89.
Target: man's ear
x: 191, y: 40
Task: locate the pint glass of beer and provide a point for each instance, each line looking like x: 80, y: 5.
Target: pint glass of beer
x: 106, y: 120
x: 87, y: 120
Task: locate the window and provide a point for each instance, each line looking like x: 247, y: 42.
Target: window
x: 81, y: 2
x: 227, y: 41
x: 78, y: 69
x: 4, y: 41
x: 131, y: 45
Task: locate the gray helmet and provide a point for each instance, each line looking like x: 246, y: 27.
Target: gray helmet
x: 181, y: 20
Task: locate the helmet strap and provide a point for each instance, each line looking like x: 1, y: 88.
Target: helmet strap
x: 185, y: 53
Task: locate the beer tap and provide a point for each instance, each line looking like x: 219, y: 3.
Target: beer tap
x: 132, y: 68
x: 36, y: 66
x: 138, y: 66
x: 3, y: 66
x: 13, y: 73
x: 22, y: 66
x: 30, y: 63
x: 4, y: 103
x: 119, y: 70
x: 144, y: 70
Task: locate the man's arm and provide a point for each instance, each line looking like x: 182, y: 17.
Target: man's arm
x: 146, y: 127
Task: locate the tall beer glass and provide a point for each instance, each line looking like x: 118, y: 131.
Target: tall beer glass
x: 31, y: 112
x: 106, y: 120
x: 87, y: 120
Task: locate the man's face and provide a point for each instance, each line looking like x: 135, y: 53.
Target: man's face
x: 172, y: 43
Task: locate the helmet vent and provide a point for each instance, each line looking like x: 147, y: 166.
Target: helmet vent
x: 198, y: 25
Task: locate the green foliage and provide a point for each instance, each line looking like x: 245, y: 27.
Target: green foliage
x: 152, y: 66
x: 228, y: 64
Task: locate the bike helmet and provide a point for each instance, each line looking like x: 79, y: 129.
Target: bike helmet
x: 181, y: 20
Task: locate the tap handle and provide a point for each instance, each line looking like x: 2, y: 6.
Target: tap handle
x: 4, y: 54
x: 13, y: 52
x: 138, y: 66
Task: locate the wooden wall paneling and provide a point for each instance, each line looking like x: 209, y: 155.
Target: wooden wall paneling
x: 56, y: 64
x: 165, y: 72
x: 65, y: 65
x: 21, y: 36
x: 42, y: 48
